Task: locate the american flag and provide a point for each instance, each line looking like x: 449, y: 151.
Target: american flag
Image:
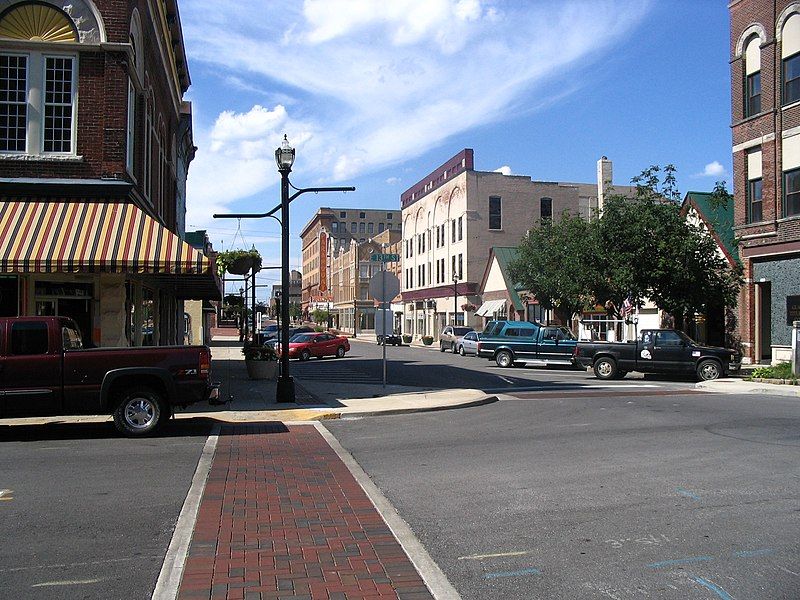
x: 627, y: 307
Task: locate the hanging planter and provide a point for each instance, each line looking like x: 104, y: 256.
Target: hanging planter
x: 238, y: 262
x: 469, y: 307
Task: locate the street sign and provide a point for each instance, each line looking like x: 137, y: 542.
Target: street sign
x: 377, y: 257
x: 383, y: 286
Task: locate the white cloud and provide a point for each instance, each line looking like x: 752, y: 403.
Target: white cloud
x: 393, y: 180
x: 713, y: 169
x: 369, y: 83
x: 505, y: 170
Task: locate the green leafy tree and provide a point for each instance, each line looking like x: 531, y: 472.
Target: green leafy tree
x: 557, y: 262
x: 295, y: 311
x: 320, y: 316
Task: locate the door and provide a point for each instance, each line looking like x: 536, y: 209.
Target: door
x: 552, y: 346
x: 30, y: 372
x: 669, y: 352
x: 327, y: 344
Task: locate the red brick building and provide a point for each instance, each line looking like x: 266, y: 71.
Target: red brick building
x: 765, y: 89
x: 95, y: 146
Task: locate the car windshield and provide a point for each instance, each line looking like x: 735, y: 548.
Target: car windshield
x: 301, y: 338
x: 270, y: 329
x: 461, y: 330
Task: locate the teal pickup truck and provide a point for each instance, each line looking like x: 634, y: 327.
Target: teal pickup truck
x: 511, y: 343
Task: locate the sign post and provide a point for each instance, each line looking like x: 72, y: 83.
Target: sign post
x: 383, y: 287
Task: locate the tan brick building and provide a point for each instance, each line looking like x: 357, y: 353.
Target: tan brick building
x: 765, y: 92
x: 454, y: 216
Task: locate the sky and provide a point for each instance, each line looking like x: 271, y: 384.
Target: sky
x: 377, y: 94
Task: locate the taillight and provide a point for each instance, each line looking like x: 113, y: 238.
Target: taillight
x: 204, y: 365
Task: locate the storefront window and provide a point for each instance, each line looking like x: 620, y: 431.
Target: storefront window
x: 148, y: 317
x: 66, y: 299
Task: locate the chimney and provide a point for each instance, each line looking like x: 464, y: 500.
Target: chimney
x: 603, y: 181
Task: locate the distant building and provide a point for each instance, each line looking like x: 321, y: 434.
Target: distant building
x: 454, y: 216
x: 295, y: 289
x: 328, y: 231
x: 765, y: 90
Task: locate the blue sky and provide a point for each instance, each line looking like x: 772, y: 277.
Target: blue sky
x: 377, y: 94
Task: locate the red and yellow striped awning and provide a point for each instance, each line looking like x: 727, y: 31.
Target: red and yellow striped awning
x: 117, y: 237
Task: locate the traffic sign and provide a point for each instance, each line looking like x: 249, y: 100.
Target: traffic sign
x: 383, y: 286
x: 377, y: 257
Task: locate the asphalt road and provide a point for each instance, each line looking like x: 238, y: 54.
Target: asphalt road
x: 650, y: 496
x: 429, y: 368
x: 86, y: 513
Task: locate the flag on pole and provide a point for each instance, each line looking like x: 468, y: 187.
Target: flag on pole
x: 627, y: 307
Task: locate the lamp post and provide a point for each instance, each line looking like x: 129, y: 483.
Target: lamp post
x: 242, y: 318
x: 455, y: 298
x: 284, y: 156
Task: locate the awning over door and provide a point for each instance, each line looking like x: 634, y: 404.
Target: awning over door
x: 95, y: 237
x: 490, y: 307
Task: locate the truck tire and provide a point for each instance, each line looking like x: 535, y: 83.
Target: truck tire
x: 708, y: 370
x: 453, y: 347
x: 139, y: 412
x: 504, y: 359
x: 441, y: 347
x: 605, y: 368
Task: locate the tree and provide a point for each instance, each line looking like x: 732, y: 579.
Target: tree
x: 557, y: 262
x: 320, y: 316
x: 295, y: 311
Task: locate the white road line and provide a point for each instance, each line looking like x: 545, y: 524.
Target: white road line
x: 69, y: 582
x: 169, y: 579
x: 506, y: 379
x: 498, y: 555
x: 437, y: 582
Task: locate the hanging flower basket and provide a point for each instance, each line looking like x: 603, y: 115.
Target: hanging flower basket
x: 241, y: 266
x: 469, y: 307
x: 239, y: 262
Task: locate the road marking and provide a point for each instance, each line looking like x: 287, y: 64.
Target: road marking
x: 498, y: 555
x: 710, y: 585
x: 77, y: 564
x: 169, y: 579
x: 506, y: 379
x: 69, y: 582
x: 6, y: 494
x: 788, y: 571
x: 521, y: 572
x: 688, y: 494
x: 753, y: 553
x: 679, y: 561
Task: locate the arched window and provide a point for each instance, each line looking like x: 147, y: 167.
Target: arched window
x: 790, y: 59
x: 37, y: 108
x: 752, y: 73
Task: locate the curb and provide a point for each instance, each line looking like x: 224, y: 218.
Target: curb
x: 419, y: 409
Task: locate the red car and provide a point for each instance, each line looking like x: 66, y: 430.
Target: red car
x: 306, y: 345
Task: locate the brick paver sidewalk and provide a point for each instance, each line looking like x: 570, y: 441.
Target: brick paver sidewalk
x: 283, y: 517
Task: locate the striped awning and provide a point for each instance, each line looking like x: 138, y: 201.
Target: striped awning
x: 117, y: 237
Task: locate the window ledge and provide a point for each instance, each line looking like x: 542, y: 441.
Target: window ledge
x: 57, y: 158
x: 791, y: 218
x: 752, y: 117
x: 792, y: 105
x: 754, y: 224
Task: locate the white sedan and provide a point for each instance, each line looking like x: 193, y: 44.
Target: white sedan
x: 468, y: 344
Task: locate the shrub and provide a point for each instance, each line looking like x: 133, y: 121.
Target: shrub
x: 318, y: 329
x: 427, y: 340
x: 406, y: 339
x: 780, y: 371
x: 258, y: 352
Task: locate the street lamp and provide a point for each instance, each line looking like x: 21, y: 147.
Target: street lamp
x: 455, y: 298
x: 242, y: 320
x: 284, y: 157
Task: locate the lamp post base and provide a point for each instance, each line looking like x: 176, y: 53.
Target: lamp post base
x: 285, y: 390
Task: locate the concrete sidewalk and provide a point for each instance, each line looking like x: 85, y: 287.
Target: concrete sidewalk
x: 734, y: 385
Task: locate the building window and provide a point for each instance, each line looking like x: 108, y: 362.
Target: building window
x: 460, y: 228
x: 460, y: 265
x: 380, y: 227
x: 754, y: 211
x: 453, y: 267
x: 791, y: 79
x: 370, y: 227
x: 495, y: 213
x: 546, y: 209
x: 353, y: 227
x: 753, y: 99
x: 131, y: 124
x: 752, y: 72
x: 343, y: 214
x: 389, y: 216
x: 791, y: 193
x: 362, y: 215
x: 47, y: 126
x: 453, y: 233
x: 362, y: 227
x: 335, y: 226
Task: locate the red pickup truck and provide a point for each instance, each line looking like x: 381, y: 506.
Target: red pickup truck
x: 45, y: 371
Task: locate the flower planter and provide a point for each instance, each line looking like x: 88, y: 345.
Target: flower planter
x: 262, y: 369
x: 241, y: 266
x: 407, y: 339
x: 427, y: 340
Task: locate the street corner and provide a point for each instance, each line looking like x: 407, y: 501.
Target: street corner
x: 733, y: 385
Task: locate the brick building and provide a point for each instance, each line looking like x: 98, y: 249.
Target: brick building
x: 329, y: 231
x: 95, y: 145
x: 454, y: 217
x: 765, y: 122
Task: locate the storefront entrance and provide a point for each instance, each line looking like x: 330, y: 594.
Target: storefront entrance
x: 67, y: 299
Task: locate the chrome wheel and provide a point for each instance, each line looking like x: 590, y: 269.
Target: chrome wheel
x: 605, y: 368
x: 708, y: 370
x: 340, y: 352
x: 140, y: 412
x: 503, y: 359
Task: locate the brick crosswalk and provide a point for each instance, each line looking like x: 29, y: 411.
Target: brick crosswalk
x: 282, y: 517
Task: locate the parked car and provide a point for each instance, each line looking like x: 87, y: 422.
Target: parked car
x: 450, y: 336
x: 275, y: 339
x: 46, y: 371
x: 657, y: 351
x: 267, y: 333
x: 306, y: 345
x: 468, y: 344
x: 393, y: 339
x: 521, y: 342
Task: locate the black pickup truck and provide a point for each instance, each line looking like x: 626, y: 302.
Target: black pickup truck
x: 657, y: 351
